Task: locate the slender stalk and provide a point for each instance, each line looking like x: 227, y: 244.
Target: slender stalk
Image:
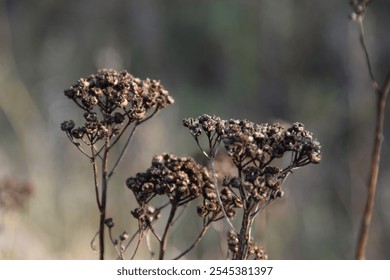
x: 95, y: 175
x: 374, y: 170
x: 123, y: 150
x: 164, y: 239
x: 244, y: 235
x: 200, y: 236
x: 218, y: 194
x: 377, y: 146
x: 103, y: 200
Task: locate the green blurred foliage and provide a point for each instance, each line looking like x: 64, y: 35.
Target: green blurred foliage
x: 264, y: 60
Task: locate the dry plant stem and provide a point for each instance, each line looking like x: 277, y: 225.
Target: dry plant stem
x: 103, y: 200
x: 244, y: 235
x: 376, y: 153
x: 123, y: 150
x: 374, y: 170
x: 367, y: 56
x: 218, y: 194
x: 200, y: 236
x: 164, y: 239
x: 95, y: 176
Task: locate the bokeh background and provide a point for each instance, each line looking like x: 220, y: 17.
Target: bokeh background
x: 266, y: 61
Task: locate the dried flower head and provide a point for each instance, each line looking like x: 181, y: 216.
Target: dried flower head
x: 259, y: 144
x: 257, y: 252
x: 253, y: 149
x: 212, y: 126
x: 233, y: 242
x: 254, y: 250
x: 210, y: 206
x: 111, y: 101
x: 181, y: 179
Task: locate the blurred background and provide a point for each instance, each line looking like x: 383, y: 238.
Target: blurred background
x: 266, y: 61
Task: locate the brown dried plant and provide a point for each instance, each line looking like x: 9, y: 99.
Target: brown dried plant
x: 114, y: 101
x: 180, y: 180
x: 111, y: 103
x: 253, y: 148
x: 359, y: 8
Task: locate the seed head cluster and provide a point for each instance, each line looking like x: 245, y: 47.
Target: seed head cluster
x: 181, y: 179
x: 258, y: 253
x: 253, y: 149
x: 111, y: 99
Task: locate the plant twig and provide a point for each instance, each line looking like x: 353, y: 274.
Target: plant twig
x: 164, y: 239
x: 200, y: 236
x: 374, y: 170
x: 123, y: 149
x: 381, y: 95
x: 103, y: 200
x: 367, y: 56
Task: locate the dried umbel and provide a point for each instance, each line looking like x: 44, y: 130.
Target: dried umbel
x: 253, y: 149
x: 180, y: 179
x: 211, y: 208
x: 14, y: 194
x: 111, y: 101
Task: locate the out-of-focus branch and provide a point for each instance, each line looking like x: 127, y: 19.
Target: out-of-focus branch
x: 374, y: 170
x: 360, y: 7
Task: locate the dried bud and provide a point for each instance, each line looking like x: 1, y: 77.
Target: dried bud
x: 109, y: 222
x: 124, y: 236
x: 67, y: 125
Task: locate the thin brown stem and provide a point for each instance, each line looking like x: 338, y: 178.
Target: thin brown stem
x: 244, y: 235
x: 378, y: 139
x: 374, y: 170
x: 164, y: 239
x: 367, y: 56
x: 218, y: 193
x: 200, y: 236
x: 95, y: 176
x: 140, y: 236
x: 103, y: 200
x: 123, y: 150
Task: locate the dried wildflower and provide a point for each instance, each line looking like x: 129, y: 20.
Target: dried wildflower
x: 109, y: 222
x: 14, y: 194
x: 112, y: 100
x: 257, y: 252
x: 253, y: 149
x: 145, y: 215
x: 124, y: 236
x: 232, y: 241
x: 180, y: 179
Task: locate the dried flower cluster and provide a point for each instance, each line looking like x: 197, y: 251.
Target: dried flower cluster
x: 254, y: 250
x: 111, y: 102
x: 111, y: 99
x: 211, y: 208
x: 253, y: 149
x: 14, y: 194
x: 181, y: 179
